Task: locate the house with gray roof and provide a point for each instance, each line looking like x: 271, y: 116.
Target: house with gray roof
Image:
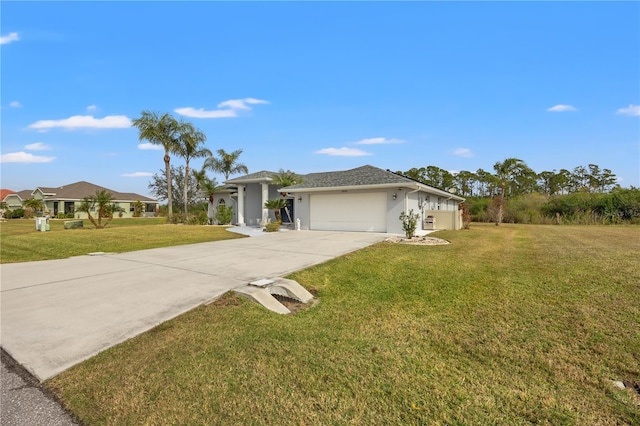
x: 66, y: 199
x: 366, y: 199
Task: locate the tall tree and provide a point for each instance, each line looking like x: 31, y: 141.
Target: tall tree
x: 158, y: 186
x: 163, y: 130
x: 506, y: 172
x: 464, y: 182
x: 415, y: 174
x: 189, y: 140
x: 226, y: 163
x: 438, y: 178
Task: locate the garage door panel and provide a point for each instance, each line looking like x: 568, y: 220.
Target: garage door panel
x: 349, y: 212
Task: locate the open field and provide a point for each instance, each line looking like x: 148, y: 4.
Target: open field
x: 506, y: 325
x: 20, y: 242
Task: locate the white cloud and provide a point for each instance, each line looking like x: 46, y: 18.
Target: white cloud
x: 241, y: 103
x: 92, y: 108
x: 463, y: 152
x: 24, y: 157
x: 343, y: 152
x: 15, y: 104
x: 9, y: 38
x: 38, y: 146
x: 230, y: 108
x: 630, y: 110
x: 150, y: 146
x: 561, y: 108
x: 137, y: 174
x: 201, y: 113
x: 378, y: 141
x: 85, y: 121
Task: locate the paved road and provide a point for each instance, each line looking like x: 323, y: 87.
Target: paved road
x: 58, y: 313
x: 25, y: 402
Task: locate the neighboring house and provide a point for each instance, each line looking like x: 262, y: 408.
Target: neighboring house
x: 66, y: 199
x: 15, y: 200
x: 362, y: 199
x: 4, y: 193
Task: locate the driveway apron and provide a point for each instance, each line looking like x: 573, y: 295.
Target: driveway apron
x: 58, y: 313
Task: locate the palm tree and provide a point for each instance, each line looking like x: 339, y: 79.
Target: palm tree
x: 276, y: 204
x: 506, y: 172
x: 35, y: 204
x: 188, y: 148
x: 286, y: 178
x: 226, y: 163
x: 160, y: 130
x: 102, y: 201
x: 199, y: 176
x: 209, y: 187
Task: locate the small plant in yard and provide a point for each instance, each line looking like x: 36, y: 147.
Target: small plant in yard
x: 409, y: 223
x: 272, y: 226
x: 224, y: 215
x: 102, y: 203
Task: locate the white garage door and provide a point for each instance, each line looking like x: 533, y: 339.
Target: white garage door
x: 349, y: 212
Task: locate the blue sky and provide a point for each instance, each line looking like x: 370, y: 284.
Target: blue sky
x: 319, y: 86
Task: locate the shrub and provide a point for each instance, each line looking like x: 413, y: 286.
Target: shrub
x: 272, y: 226
x: 61, y: 216
x: 199, y: 218
x: 526, y: 208
x: 478, y: 208
x: 409, y: 222
x: 138, y: 209
x: 224, y: 215
x: 177, y: 217
x: 69, y: 215
x: 16, y: 214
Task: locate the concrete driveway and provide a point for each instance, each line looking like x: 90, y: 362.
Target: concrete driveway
x: 57, y: 313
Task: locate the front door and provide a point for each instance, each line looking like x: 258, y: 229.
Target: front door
x: 55, y: 208
x: 286, y: 213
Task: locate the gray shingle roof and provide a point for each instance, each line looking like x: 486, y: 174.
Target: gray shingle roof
x: 253, y: 177
x: 365, y: 175
x: 79, y: 190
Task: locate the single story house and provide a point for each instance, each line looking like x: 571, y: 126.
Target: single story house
x: 366, y: 198
x: 66, y: 199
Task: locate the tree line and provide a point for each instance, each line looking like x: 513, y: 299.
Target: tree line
x: 521, y: 179
x: 516, y: 193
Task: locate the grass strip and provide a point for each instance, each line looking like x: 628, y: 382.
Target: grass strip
x: 20, y: 242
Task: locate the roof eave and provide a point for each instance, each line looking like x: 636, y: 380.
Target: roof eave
x: 408, y: 185
x: 241, y: 181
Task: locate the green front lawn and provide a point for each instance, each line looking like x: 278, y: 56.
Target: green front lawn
x: 20, y: 242
x: 506, y: 325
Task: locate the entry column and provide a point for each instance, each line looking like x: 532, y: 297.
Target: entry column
x: 265, y: 198
x: 241, y: 205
